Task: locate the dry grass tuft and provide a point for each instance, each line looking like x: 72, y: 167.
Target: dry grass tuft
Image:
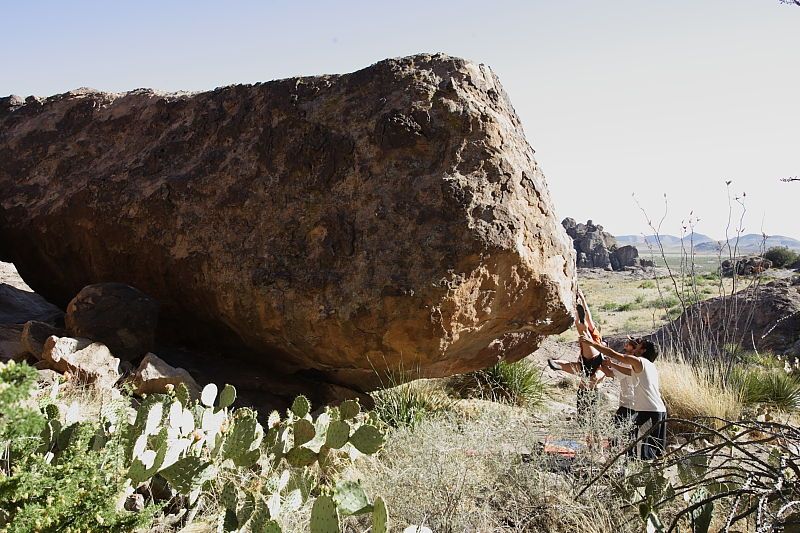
x: 690, y: 391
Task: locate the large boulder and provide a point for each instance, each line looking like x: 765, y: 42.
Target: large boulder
x: 117, y: 315
x: 744, y: 266
x: 392, y: 217
x: 35, y: 334
x: 154, y: 375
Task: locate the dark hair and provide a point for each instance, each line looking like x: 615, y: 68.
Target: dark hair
x: 650, y: 352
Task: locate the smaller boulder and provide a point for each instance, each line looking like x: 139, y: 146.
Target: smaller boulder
x: 118, y: 315
x: 10, y: 341
x: 624, y: 256
x: 35, y: 335
x: 154, y: 374
x: 18, y: 306
x: 90, y: 361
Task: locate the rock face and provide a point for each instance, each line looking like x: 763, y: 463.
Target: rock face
x: 390, y: 217
x: 591, y: 243
x: 118, y: 315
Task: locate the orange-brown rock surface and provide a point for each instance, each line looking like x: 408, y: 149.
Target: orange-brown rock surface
x: 339, y: 223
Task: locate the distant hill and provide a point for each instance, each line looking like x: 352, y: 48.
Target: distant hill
x: 668, y: 241
x: 750, y: 243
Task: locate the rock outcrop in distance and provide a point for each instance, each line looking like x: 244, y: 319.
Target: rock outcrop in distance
x: 391, y: 218
x: 596, y: 248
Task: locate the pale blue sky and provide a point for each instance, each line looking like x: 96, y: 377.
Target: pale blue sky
x: 617, y: 97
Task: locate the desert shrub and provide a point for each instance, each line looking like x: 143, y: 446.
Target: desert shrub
x: 773, y: 387
x: 647, y: 284
x: 70, y: 483
x: 691, y: 391
x: 517, y: 383
x: 781, y: 256
x: 407, y: 404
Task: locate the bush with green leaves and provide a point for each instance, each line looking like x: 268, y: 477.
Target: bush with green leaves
x: 781, y: 256
x: 69, y: 480
x: 770, y: 386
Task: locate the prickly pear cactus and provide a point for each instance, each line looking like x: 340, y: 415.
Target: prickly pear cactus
x: 351, y: 499
x: 349, y: 409
x: 187, y: 474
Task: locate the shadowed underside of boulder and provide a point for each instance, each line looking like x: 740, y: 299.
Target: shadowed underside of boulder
x: 392, y: 217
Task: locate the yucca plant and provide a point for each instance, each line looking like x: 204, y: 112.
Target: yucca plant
x: 517, y: 383
x: 770, y: 387
x: 408, y: 404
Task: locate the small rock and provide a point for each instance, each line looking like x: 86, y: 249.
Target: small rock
x: 48, y: 376
x: 35, y: 334
x: 134, y: 503
x: 90, y: 361
x: 154, y: 374
x: 118, y: 315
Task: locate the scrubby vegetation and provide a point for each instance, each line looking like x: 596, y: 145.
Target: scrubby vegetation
x: 781, y: 256
x: 202, y: 456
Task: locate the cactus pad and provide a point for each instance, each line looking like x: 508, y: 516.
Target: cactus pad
x: 380, y: 517
x: 304, y: 431
x: 301, y: 406
x: 208, y: 395
x: 227, y: 396
x: 324, y: 518
x: 230, y: 497
x: 338, y: 433
x: 300, y: 456
x: 351, y: 499
x: 349, y: 409
x: 187, y: 474
x: 367, y: 439
x: 182, y: 394
x: 51, y: 410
